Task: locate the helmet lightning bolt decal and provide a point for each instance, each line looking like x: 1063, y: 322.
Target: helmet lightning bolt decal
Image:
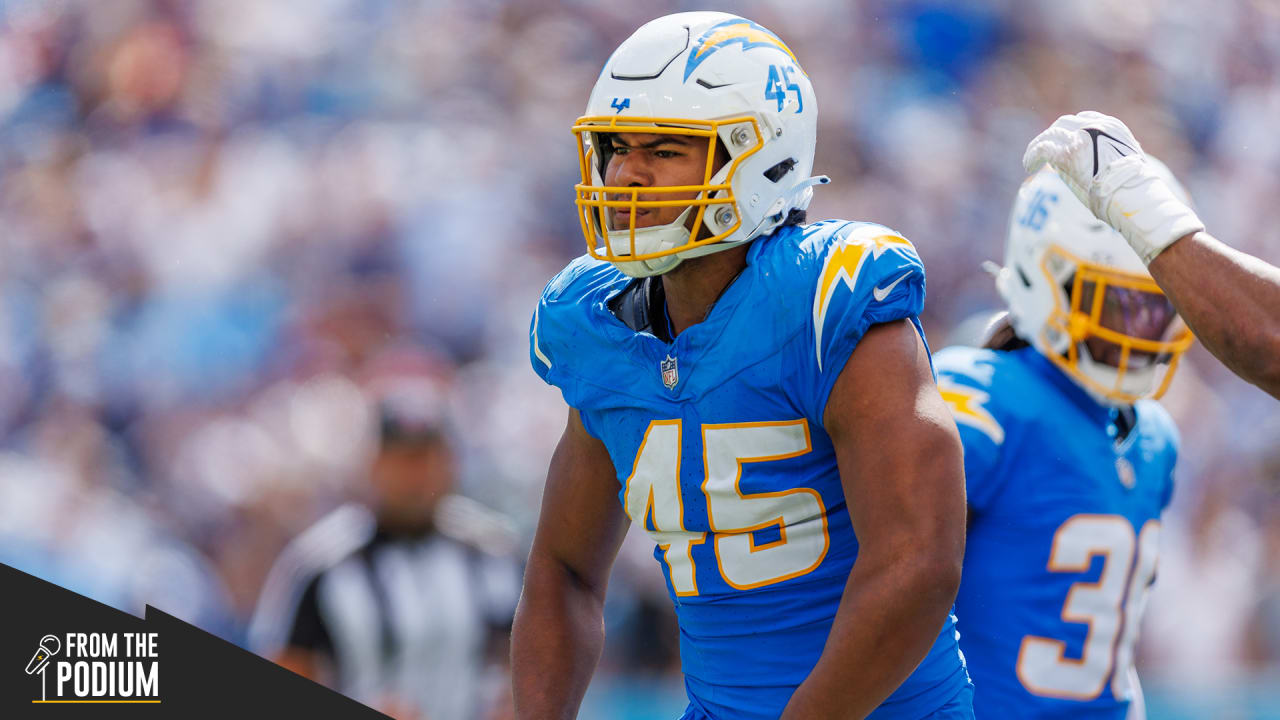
x: 739, y: 30
x: 844, y: 262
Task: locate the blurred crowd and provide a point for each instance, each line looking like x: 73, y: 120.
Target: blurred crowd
x: 222, y: 220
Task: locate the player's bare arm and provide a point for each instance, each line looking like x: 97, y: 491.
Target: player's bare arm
x: 904, y: 479
x: 1231, y: 300
x: 559, y: 632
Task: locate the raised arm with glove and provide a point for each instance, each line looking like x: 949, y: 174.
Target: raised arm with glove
x: 1230, y: 299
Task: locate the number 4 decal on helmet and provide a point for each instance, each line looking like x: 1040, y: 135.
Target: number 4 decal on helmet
x: 778, y: 84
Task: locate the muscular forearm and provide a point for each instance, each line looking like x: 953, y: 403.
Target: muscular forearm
x: 1230, y: 300
x: 555, y: 642
x: 893, y: 608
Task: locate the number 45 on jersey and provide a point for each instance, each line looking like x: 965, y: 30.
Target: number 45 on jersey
x: 654, y: 500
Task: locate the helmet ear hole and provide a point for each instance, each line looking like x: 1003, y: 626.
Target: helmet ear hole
x: 775, y: 173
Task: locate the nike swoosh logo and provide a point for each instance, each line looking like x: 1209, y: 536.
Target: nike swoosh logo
x: 1116, y: 146
x: 881, y: 293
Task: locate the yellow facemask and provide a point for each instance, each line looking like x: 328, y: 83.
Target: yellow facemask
x: 712, y: 203
x: 1125, y: 322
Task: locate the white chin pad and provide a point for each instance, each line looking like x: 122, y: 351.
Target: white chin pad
x: 646, y: 268
x: 1136, y: 381
x: 650, y: 239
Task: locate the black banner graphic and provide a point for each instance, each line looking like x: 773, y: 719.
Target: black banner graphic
x: 63, y: 655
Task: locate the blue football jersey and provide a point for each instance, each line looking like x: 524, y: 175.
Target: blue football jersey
x: 1063, y: 533
x: 721, y: 455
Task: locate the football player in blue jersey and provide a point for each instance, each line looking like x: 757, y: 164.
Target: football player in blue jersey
x: 1068, y: 461
x: 752, y: 391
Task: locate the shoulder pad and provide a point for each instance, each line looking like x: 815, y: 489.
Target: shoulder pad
x: 567, y: 323
x: 1159, y: 417
x: 578, y: 277
x: 968, y: 378
x: 970, y: 407
x: 863, y: 269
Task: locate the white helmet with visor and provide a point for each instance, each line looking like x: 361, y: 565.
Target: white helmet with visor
x: 705, y: 75
x: 1084, y: 299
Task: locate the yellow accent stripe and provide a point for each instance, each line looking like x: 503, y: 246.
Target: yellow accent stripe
x: 537, y: 349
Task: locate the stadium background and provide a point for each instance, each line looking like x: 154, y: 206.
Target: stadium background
x: 218, y: 218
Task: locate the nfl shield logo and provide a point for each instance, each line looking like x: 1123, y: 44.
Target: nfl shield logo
x: 670, y: 375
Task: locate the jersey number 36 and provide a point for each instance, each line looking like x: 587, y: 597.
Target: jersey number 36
x: 1112, y: 607
x: 654, y: 501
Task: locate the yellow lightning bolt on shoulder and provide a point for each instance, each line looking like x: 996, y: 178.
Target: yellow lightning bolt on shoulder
x: 966, y: 406
x: 880, y: 243
x: 845, y: 263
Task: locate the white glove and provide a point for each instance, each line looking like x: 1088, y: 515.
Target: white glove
x: 1102, y: 162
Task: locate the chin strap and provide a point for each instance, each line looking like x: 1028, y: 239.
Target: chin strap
x: 794, y: 199
x: 779, y: 206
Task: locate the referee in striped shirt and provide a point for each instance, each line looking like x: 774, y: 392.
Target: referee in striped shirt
x: 405, y: 605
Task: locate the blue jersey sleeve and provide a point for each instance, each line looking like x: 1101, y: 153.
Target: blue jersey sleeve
x: 1168, y: 490
x: 565, y: 337
x: 860, y: 275
x: 1168, y: 449
x: 549, y: 324
x: 965, y: 381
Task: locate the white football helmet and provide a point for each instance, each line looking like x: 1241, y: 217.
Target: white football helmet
x: 1079, y: 294
x: 709, y: 75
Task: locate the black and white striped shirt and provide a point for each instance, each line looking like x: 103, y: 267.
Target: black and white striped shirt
x: 405, y: 617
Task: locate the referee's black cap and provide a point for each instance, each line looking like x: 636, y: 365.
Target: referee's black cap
x: 412, y: 412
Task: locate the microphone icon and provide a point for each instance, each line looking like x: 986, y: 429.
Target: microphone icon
x: 49, y: 646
